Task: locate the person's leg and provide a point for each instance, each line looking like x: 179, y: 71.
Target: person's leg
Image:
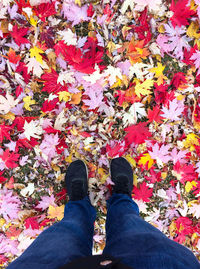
x: 64, y: 241
x: 138, y: 243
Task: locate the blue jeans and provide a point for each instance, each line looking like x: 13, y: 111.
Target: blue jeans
x: 128, y: 237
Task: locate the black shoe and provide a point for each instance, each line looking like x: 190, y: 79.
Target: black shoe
x: 122, y: 175
x: 76, y: 180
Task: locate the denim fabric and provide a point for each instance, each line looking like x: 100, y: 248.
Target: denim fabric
x: 136, y: 242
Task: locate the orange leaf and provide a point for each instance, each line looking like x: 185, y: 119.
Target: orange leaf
x: 75, y: 98
x: 13, y: 58
x: 56, y: 212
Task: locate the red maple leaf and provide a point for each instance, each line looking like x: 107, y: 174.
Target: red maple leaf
x: 184, y: 172
x: 160, y: 92
x: 19, y: 90
x: 154, y: 115
x: 49, y: 105
x: 23, y: 143
x: 45, y: 10
x: 47, y: 35
x: 71, y: 53
x: 13, y: 232
x: 155, y: 177
x: 137, y: 133
x: 51, y: 130
x: 50, y: 83
x: 22, y: 68
x: 10, y: 158
x: 61, y: 195
x: 121, y: 96
x: 184, y: 227
x: 143, y: 192
x: 22, y: 4
x: 178, y: 79
x: 4, y: 132
x: 86, y: 66
x: 31, y: 222
x: 181, y: 13
x: 74, y: 56
x: 188, y: 54
x: 116, y: 150
x: 19, y: 122
x: 2, y: 179
x: 90, y: 10
x: 18, y: 34
x: 61, y: 147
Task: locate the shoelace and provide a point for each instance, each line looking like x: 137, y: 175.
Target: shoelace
x: 122, y: 185
x: 77, y: 190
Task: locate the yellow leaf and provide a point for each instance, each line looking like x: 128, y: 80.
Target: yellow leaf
x: 157, y: 70
x: 180, y: 97
x: 2, y: 222
x: 143, y: 88
x: 189, y: 185
x: 146, y: 158
x: 111, y: 46
x: 131, y: 160
x: 125, y: 81
x: 103, y: 175
x: 64, y: 95
x: 33, y: 21
x: 78, y: 2
x: 161, y: 29
x: 159, y: 73
x: 74, y: 131
x: 8, y: 116
x: 196, y: 125
x: 193, y: 5
x: 125, y: 30
x: 69, y: 158
x: 117, y: 83
x: 55, y: 167
x: 192, y: 29
x: 190, y: 141
x: 190, y: 203
x: 56, y: 212
x: 197, y: 41
x: 35, y: 51
x: 27, y: 102
x: 135, y: 180
x: 163, y: 175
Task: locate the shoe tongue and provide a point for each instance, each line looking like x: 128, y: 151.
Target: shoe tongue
x: 77, y: 179
x: 122, y: 176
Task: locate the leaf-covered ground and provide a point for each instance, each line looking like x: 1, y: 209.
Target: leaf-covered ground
x: 97, y: 80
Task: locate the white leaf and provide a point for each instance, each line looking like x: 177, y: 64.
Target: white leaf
x: 25, y: 242
x: 36, y: 67
x: 126, y: 4
x: 32, y: 129
x: 94, y: 76
x: 28, y: 190
x: 66, y: 76
x: 195, y: 210
x: 68, y: 36
x: 7, y: 103
x: 112, y: 73
x: 183, y: 211
x: 60, y: 120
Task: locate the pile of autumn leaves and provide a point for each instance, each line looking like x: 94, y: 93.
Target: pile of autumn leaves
x: 148, y: 63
